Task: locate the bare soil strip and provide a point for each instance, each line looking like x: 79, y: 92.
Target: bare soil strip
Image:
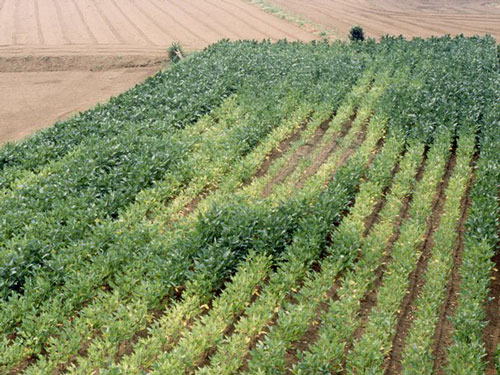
x: 19, y: 369
x: 64, y: 63
x: 393, y: 362
x: 275, y: 154
x: 492, y: 330
x: 326, y: 152
x: 444, y: 328
x: 301, y: 152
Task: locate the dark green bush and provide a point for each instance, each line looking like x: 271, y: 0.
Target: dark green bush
x: 357, y: 34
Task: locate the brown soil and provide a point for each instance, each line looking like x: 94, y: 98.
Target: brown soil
x: 416, y: 280
x: 191, y: 206
x: 360, y: 138
x: 277, y: 152
x: 262, y: 171
x: 23, y: 365
x: 85, y: 51
x: 444, y: 329
x: 410, y: 18
x: 32, y: 101
x: 325, y: 152
x: 133, y: 24
x: 65, y: 63
x: 492, y: 330
x: 302, y: 152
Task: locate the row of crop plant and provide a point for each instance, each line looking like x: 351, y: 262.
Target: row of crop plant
x: 179, y: 96
x: 85, y: 306
x: 105, y: 347
x: 121, y: 282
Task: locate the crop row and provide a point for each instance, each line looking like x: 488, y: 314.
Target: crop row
x: 418, y: 356
x: 159, y: 242
x: 130, y: 326
x: 56, y: 312
x: 179, y: 96
x: 467, y: 352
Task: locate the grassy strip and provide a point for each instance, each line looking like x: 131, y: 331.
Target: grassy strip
x: 306, y: 24
x: 341, y: 320
x: 369, y: 352
x: 417, y: 355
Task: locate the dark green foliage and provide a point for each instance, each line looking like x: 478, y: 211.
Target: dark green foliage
x: 356, y: 34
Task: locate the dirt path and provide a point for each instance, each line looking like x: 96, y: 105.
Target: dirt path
x: 410, y: 18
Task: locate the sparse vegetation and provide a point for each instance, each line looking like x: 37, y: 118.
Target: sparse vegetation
x: 175, y: 52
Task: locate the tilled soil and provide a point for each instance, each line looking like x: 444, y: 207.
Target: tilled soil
x: 410, y: 18
x: 86, y: 51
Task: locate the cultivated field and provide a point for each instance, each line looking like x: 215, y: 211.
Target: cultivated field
x: 263, y: 208
x: 409, y: 17
x: 78, y: 36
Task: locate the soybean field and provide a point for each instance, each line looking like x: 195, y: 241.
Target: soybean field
x: 264, y: 208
